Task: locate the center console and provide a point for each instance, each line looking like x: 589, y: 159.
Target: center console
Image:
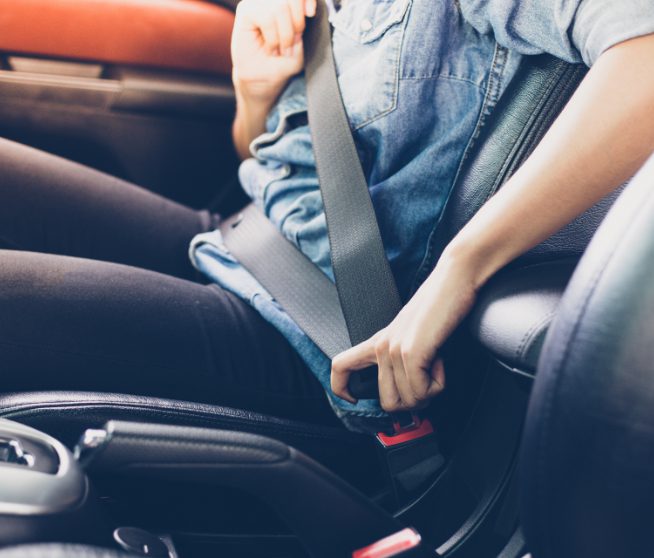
x: 46, y: 495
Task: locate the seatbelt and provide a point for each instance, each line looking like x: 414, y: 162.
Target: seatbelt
x: 298, y: 285
x: 365, y: 283
x: 364, y: 298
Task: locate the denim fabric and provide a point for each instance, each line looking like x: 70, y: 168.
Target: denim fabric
x: 418, y: 79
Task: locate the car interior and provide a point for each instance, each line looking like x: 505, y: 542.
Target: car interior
x: 508, y: 461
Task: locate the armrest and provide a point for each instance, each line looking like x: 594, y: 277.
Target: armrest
x: 329, y: 516
x: 515, y: 310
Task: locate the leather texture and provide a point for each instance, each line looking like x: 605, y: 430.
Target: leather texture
x: 65, y: 415
x: 281, y: 476
x: 186, y: 35
x: 185, y: 447
x: 511, y: 320
x: 515, y: 310
x: 61, y: 551
x: 588, y: 447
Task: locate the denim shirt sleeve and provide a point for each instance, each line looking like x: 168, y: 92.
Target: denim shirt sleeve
x: 573, y: 30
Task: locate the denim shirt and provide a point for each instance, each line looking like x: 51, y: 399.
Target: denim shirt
x: 418, y: 79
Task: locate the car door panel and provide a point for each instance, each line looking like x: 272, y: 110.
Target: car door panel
x: 187, y: 35
x: 137, y: 88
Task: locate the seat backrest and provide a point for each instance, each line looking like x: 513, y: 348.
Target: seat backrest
x: 588, y: 444
x: 534, y: 99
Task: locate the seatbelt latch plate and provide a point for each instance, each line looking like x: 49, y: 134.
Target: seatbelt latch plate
x: 419, y: 428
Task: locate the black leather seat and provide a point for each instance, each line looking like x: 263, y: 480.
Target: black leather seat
x: 65, y: 415
x: 516, y: 308
x: 61, y: 551
x: 587, y: 481
x: 536, y: 97
x: 588, y: 448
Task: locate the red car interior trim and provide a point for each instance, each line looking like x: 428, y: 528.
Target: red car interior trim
x: 186, y: 35
x: 390, y: 546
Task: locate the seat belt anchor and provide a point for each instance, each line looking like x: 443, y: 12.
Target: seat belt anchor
x: 411, y: 455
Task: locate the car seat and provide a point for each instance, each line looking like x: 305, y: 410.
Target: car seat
x: 589, y: 438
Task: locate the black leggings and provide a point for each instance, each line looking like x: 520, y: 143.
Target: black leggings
x: 97, y: 293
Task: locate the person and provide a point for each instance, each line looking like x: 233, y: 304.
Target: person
x: 418, y: 78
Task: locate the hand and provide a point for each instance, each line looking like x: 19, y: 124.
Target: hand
x: 267, y: 45
x: 406, y: 351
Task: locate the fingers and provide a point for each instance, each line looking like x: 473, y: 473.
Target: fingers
x: 357, y: 358
x: 297, y: 9
x: 279, y: 24
x: 406, y: 382
x: 438, y: 377
x: 269, y: 34
x: 389, y: 396
x: 405, y: 396
x: 285, y: 30
x: 310, y: 8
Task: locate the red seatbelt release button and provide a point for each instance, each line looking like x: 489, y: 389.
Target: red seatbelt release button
x: 406, y: 433
x: 391, y: 546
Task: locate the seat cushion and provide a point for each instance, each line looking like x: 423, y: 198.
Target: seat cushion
x: 587, y: 483
x: 60, y: 551
x: 65, y: 415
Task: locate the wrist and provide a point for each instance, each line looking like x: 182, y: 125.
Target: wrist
x: 255, y: 92
x: 474, y: 267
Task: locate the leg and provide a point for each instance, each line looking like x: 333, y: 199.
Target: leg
x: 75, y: 324
x: 48, y: 204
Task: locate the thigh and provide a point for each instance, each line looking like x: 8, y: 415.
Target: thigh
x: 49, y: 204
x: 74, y: 324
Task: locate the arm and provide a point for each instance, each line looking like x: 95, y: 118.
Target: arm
x: 599, y: 141
x: 266, y: 52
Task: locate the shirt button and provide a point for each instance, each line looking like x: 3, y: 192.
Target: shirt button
x: 366, y: 25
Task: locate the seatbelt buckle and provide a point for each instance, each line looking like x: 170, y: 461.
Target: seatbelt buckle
x: 398, y: 544
x: 406, y: 432
x: 411, y: 454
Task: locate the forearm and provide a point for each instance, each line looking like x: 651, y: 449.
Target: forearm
x: 599, y: 141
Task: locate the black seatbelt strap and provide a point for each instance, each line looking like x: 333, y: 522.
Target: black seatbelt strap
x: 365, y: 298
x: 298, y: 285
x: 366, y: 286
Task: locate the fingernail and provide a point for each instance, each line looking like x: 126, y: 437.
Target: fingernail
x: 310, y: 9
